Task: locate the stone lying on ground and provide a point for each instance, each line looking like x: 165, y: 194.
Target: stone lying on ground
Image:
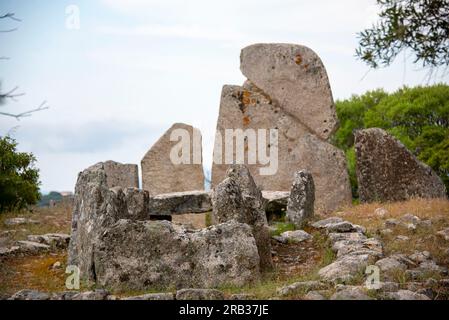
x: 148, y: 254
x: 322, y: 224
x: 33, y: 247
x: 387, y: 171
x: 199, y: 294
x: 444, y: 234
x: 97, y: 205
x: 238, y: 198
x: 249, y: 108
x: 390, y: 264
x: 19, y: 221
x: 98, y: 294
x: 406, y: 295
x: 350, y: 293
x: 295, y: 77
x: 180, y: 203
x: 371, y: 247
x: 54, y: 240
x: 242, y: 296
x: 345, y: 268
x: 28, y: 294
x: 302, y: 198
x: 153, y: 296
x: 315, y: 295
x: 163, y: 172
x: 9, y: 251
x: 296, y: 236
x: 300, y: 287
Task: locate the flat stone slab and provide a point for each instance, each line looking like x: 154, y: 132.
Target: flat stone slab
x: 180, y: 203
x: 19, y: 221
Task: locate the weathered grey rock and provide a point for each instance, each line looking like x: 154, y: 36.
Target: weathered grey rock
x: 121, y: 175
x: 161, y: 175
x: 302, y: 198
x: 345, y: 268
x: 387, y: 171
x: 180, y: 203
x: 406, y: 295
x: 387, y: 286
x: 420, y: 256
x: 54, y: 240
x: 350, y: 237
x: 390, y: 264
x: 98, y: 294
x: 153, y: 296
x: 19, y: 221
x: 298, y: 149
x: 296, y: 236
x: 33, y: 247
x: 147, y: 254
x: 96, y: 207
x: 444, y: 234
x: 391, y: 223
x: 322, y: 224
x: 28, y: 294
x: 199, y: 294
x: 300, y: 288
x: 9, y: 251
x: 314, y: 295
x: 340, y: 227
x: 381, y: 212
x: 65, y: 295
x: 402, y: 238
x: 275, y: 201
x: 295, y: 77
x: 280, y: 239
x: 371, y: 247
x: 351, y: 293
x: 238, y: 198
x: 242, y: 296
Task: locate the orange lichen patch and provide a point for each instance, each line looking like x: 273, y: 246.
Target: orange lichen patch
x: 246, y: 98
x: 298, y: 59
x: 33, y: 272
x: 246, y: 120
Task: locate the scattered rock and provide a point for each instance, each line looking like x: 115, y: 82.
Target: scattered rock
x: 444, y: 234
x: 300, y: 288
x: 19, y: 221
x: 9, y: 251
x: 345, y: 268
x: 238, y: 197
x: 242, y: 296
x: 99, y: 294
x: 28, y: 294
x: 65, y: 295
x: 199, y: 294
x: 406, y: 295
x: 339, y: 227
x: 387, y: 171
x: 420, y: 256
x: 314, y: 295
x: 322, y: 224
x: 388, y: 286
x: 390, y: 264
x: 162, y: 174
x: 381, y: 212
x: 280, y: 239
x: 402, y: 238
x: 296, y: 236
x: 54, y: 240
x: 153, y: 296
x: 302, y: 198
x: 391, y: 223
x: 350, y: 293
x: 33, y: 247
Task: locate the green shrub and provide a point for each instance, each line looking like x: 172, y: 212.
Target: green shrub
x: 418, y: 117
x: 19, y: 179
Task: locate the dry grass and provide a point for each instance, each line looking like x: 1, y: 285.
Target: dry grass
x: 33, y: 272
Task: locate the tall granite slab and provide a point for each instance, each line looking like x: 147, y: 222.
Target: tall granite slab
x: 161, y: 175
x: 387, y: 171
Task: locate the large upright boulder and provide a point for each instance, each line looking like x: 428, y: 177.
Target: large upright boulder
x: 238, y: 198
x: 158, y: 254
x: 168, y: 167
x: 302, y: 198
x: 250, y: 108
x: 295, y: 78
x: 99, y: 202
x: 387, y: 171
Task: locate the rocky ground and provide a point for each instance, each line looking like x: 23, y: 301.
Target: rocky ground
x: 407, y: 241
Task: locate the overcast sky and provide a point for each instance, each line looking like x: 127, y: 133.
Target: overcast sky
x: 136, y: 66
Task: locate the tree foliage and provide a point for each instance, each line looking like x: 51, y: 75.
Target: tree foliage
x: 418, y: 117
x: 19, y: 179
x: 419, y: 25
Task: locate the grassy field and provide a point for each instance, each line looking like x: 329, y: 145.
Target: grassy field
x: 36, y: 272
